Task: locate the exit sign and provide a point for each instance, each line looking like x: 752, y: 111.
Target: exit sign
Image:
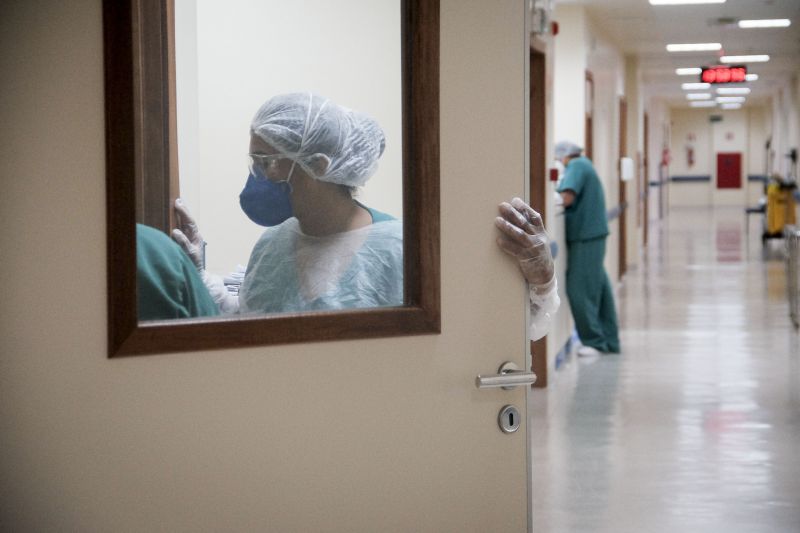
x: 723, y: 74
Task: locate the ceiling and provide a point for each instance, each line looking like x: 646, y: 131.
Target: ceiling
x: 643, y: 30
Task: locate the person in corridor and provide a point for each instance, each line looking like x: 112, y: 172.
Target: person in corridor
x: 588, y: 287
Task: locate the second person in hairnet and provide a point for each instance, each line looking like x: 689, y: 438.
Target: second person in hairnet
x: 322, y: 248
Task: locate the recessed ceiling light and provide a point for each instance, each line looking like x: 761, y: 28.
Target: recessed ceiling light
x: 683, y: 2
x: 733, y: 90
x: 744, y: 59
x: 693, y: 47
x: 698, y: 96
x: 731, y: 99
x: 688, y: 71
x: 731, y: 106
x: 695, y: 86
x: 704, y: 103
x: 765, y: 23
x: 751, y: 77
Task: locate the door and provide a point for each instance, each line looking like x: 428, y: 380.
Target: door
x: 393, y: 435
x: 729, y: 170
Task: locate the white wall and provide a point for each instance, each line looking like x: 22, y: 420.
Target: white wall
x: 233, y: 56
x: 658, y: 139
x: 570, y: 53
x: 743, y: 131
x: 785, y: 124
x: 687, y: 124
x: 582, y: 45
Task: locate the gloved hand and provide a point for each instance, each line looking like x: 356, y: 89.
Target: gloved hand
x: 522, y: 235
x: 187, y: 235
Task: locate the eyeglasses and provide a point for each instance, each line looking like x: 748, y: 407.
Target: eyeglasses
x: 259, y: 163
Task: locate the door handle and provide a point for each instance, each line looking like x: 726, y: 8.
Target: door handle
x: 508, y: 376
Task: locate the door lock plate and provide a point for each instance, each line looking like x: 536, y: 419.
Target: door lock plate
x: 509, y: 419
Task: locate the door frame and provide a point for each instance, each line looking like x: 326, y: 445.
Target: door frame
x: 537, y: 179
x: 623, y: 193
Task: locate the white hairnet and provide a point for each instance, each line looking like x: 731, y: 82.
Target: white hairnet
x: 301, y: 125
x: 567, y: 149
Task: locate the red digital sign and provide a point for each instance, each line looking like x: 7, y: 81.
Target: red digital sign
x: 723, y: 74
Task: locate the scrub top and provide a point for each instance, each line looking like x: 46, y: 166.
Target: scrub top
x: 586, y: 218
x: 290, y: 271
x: 167, y: 282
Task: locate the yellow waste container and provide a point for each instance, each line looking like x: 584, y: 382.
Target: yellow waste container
x: 781, y: 208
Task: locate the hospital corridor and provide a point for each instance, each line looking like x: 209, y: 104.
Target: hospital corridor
x: 695, y: 426
x: 400, y: 266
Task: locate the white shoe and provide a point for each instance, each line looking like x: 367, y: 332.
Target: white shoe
x: 588, y: 351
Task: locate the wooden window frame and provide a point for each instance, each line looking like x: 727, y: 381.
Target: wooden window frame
x: 140, y: 149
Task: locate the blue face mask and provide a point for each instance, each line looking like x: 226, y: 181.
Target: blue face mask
x: 264, y: 202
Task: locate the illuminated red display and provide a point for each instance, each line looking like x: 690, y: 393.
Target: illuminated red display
x: 724, y: 74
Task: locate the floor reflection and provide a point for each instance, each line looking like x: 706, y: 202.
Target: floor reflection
x: 696, y: 425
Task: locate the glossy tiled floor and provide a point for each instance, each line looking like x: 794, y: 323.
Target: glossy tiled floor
x: 695, y: 427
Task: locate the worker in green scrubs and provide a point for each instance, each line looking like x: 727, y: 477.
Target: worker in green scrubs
x: 588, y: 287
x: 168, y: 284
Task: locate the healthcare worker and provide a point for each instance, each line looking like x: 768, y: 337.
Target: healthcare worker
x: 167, y: 282
x: 322, y: 249
x: 588, y: 287
x: 522, y: 235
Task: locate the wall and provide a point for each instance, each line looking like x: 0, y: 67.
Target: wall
x: 570, y: 51
x: 581, y: 46
x: 785, y: 124
x: 658, y: 140
x: 634, y: 142
x: 223, y: 79
x: 690, y: 128
x: 742, y: 131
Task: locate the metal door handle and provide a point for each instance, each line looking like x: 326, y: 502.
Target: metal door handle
x: 509, y: 376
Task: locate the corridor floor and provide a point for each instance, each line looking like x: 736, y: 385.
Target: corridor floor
x: 695, y: 426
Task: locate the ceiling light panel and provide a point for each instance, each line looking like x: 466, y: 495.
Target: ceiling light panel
x: 733, y: 90
x: 698, y: 96
x: 731, y: 99
x: 688, y: 71
x: 693, y: 47
x: 695, y: 86
x: 731, y: 106
x: 751, y: 77
x: 765, y: 23
x: 683, y: 2
x: 745, y: 59
x: 703, y: 103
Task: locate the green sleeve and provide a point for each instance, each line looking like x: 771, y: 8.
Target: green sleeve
x: 574, y: 178
x: 168, y: 284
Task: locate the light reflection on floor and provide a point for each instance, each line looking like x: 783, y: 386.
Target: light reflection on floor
x: 695, y: 427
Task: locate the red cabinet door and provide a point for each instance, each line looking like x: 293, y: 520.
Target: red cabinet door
x: 729, y: 170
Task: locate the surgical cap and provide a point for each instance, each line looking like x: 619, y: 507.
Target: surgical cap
x: 301, y: 125
x: 567, y: 149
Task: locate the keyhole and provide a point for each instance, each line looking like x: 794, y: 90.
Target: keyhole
x: 511, y: 420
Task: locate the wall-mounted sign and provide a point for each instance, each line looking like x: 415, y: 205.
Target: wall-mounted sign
x: 723, y: 74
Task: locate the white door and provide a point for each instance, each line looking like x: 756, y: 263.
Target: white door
x: 392, y: 434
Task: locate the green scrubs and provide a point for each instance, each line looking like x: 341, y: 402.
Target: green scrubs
x: 168, y: 284
x: 588, y: 287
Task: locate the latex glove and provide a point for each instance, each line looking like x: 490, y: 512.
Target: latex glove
x: 522, y: 235
x: 187, y: 235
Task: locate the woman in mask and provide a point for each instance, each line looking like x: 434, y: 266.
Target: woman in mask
x: 322, y: 248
